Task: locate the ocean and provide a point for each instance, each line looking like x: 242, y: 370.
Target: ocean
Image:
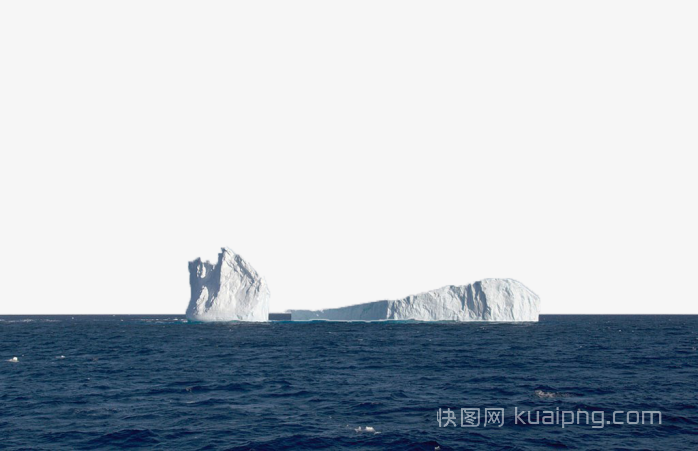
x: 159, y: 382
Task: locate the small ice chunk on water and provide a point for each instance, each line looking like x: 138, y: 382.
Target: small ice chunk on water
x: 547, y: 394
x: 13, y: 359
x: 366, y: 429
x: 544, y: 394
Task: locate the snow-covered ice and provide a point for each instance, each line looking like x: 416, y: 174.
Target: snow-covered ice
x: 228, y: 290
x: 231, y: 290
x: 486, y: 300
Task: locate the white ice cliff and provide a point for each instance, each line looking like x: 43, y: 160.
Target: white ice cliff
x: 229, y: 290
x: 486, y: 300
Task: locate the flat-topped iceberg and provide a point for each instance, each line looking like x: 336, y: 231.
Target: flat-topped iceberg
x: 229, y: 290
x: 486, y: 300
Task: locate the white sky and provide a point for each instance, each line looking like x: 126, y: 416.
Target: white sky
x: 351, y: 151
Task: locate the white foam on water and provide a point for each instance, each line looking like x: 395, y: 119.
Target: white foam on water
x: 548, y: 394
x: 369, y: 429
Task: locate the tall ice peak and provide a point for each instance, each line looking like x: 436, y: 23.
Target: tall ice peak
x: 228, y: 290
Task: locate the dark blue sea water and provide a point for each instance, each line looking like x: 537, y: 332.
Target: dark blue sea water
x: 159, y: 382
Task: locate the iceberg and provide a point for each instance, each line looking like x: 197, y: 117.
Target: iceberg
x: 486, y: 300
x: 229, y: 290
